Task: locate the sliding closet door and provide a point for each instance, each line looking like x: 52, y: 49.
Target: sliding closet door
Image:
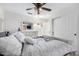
x: 66, y: 27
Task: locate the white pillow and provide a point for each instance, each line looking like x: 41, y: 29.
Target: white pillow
x: 29, y: 40
x: 20, y: 36
x: 10, y: 46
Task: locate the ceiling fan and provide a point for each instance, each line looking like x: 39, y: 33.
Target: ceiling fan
x: 38, y: 7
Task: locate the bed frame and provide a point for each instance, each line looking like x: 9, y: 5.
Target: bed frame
x: 71, y: 54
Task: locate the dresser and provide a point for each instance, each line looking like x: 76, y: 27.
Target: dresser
x: 32, y: 33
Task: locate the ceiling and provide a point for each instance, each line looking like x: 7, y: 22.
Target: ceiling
x: 20, y: 7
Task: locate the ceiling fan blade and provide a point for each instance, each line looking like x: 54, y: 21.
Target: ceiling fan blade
x: 30, y: 13
x: 29, y: 8
x: 43, y: 4
x: 44, y: 8
x: 35, y: 4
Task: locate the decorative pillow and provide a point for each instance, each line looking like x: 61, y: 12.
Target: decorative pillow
x: 10, y: 46
x: 29, y: 40
x: 20, y: 36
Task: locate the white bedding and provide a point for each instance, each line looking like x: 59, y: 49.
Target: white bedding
x: 50, y: 48
x: 10, y: 46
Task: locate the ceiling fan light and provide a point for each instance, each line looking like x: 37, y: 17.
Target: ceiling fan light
x: 40, y: 9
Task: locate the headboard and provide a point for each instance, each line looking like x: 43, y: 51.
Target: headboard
x: 4, y: 34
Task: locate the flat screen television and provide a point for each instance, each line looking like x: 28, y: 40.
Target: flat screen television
x: 29, y: 26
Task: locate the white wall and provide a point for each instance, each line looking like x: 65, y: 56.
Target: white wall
x: 1, y: 25
x: 1, y: 18
x: 78, y: 30
x: 1, y: 13
x: 13, y: 20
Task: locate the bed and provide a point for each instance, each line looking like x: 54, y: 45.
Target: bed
x: 48, y: 46
x: 20, y: 45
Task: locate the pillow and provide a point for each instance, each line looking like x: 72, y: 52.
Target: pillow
x: 29, y: 40
x: 10, y: 46
x: 46, y: 38
x: 20, y: 36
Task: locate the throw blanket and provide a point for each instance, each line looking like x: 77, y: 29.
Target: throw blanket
x: 49, y: 48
